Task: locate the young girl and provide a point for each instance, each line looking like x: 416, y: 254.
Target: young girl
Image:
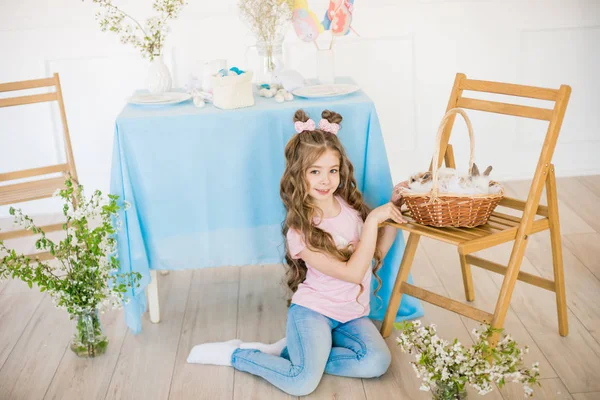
x: 332, y: 241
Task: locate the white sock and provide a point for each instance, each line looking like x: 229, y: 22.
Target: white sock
x: 274, y: 349
x: 216, y: 353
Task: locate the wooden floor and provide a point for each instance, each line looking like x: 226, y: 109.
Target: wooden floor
x: 247, y: 303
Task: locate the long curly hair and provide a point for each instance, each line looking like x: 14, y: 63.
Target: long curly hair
x: 301, y: 152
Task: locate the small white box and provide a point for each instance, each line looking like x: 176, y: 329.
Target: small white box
x: 233, y: 91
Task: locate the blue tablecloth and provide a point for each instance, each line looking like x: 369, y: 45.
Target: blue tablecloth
x: 204, y: 186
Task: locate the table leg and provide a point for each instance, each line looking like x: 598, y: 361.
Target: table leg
x: 153, y: 306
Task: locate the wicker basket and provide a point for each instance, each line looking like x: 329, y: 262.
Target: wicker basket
x: 234, y: 91
x: 448, y: 209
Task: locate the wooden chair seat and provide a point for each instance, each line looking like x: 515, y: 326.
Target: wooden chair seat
x: 501, y: 228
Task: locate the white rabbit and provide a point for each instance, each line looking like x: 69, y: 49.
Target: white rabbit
x: 476, y: 183
x: 450, y: 182
x: 446, y: 172
x: 480, y: 183
x: 421, y: 182
x: 453, y: 184
x: 446, y: 178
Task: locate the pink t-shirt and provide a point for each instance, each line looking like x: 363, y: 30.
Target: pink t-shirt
x: 329, y: 296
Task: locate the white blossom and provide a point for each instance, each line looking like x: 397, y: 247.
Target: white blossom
x: 455, y: 365
x: 150, y: 38
x: 84, y: 273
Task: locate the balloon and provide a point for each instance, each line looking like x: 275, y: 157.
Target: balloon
x: 306, y: 24
x: 338, y: 17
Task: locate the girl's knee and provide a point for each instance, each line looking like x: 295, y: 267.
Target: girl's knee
x: 303, y: 390
x: 305, y: 383
x: 376, y: 362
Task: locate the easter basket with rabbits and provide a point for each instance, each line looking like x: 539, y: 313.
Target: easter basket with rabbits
x: 453, y: 201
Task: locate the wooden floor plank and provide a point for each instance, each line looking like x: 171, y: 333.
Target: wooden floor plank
x: 582, y: 287
x: 445, y: 259
x: 401, y: 381
x: 586, y: 247
x: 210, y: 316
x: 80, y: 378
x: 581, y: 200
x: 31, y: 366
x: 145, y: 365
x: 262, y: 317
x: 587, y: 396
x: 570, y: 221
x: 550, y: 389
x: 16, y: 311
x: 592, y: 182
x: 576, y: 357
x: 423, y: 272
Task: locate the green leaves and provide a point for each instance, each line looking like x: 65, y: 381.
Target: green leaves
x: 450, y: 364
x: 82, y: 273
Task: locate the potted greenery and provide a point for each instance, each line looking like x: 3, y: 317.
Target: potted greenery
x: 446, y: 368
x: 84, y: 278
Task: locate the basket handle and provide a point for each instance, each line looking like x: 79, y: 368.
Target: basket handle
x: 460, y: 111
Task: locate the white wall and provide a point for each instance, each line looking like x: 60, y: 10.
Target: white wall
x: 406, y: 59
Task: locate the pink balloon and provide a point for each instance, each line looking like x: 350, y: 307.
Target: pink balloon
x: 340, y: 14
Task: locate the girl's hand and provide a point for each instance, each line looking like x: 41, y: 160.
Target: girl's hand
x: 385, y: 212
x: 396, y: 196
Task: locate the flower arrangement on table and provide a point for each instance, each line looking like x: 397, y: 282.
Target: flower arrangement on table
x: 446, y: 368
x: 149, y: 39
x: 84, y: 279
x: 268, y: 21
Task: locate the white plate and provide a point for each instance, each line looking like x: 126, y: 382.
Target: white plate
x: 159, y: 99
x: 316, y: 91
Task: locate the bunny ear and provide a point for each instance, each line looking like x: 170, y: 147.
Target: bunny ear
x: 474, y: 171
x: 427, y: 176
x: 487, y: 171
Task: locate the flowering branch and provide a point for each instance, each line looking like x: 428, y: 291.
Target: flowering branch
x: 149, y: 40
x: 87, y: 276
x: 441, y: 363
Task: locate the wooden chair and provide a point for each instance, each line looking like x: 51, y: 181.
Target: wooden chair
x: 11, y: 190
x: 501, y: 227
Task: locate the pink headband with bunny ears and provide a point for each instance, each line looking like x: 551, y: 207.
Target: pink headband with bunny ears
x: 324, y: 125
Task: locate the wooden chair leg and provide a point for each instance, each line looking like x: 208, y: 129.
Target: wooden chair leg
x: 153, y: 306
x: 467, y: 278
x: 508, y: 285
x: 394, y: 303
x: 557, y: 258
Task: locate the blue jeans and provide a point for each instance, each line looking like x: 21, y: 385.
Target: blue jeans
x: 317, y: 344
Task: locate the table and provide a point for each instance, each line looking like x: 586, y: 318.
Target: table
x: 203, y: 185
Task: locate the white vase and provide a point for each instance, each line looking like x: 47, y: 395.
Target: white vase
x: 159, y: 77
x: 325, y: 68
x: 270, y: 60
